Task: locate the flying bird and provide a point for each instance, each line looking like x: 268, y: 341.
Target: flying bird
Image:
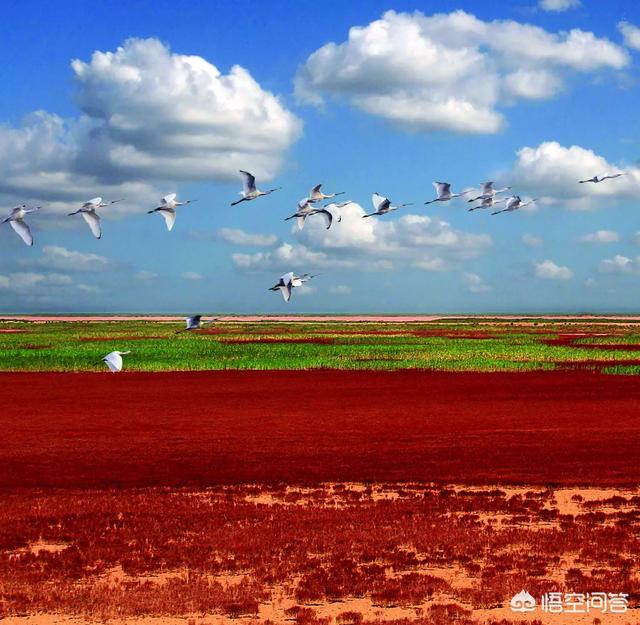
x: 167, y: 209
x: 113, y: 360
x: 16, y: 221
x: 249, y: 191
x: 382, y: 206
x: 317, y: 195
x: 305, y: 210
x: 194, y: 323
x: 88, y: 212
x: 488, y: 191
x: 489, y: 202
x: 443, y: 192
x: 514, y: 203
x: 597, y: 179
x: 288, y: 282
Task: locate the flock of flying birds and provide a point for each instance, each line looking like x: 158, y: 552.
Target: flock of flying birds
x: 306, y: 208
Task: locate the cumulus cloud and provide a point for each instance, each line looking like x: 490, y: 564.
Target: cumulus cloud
x: 61, y: 258
x: 476, y: 283
x: 147, y: 114
x: 558, y: 6
x: 192, y: 276
x: 548, y: 270
x: 419, y: 241
x: 553, y: 171
x: 601, y: 237
x: 630, y: 34
x: 530, y: 241
x: 25, y: 285
x: 422, y: 72
x: 240, y: 237
x: 619, y: 264
x: 145, y: 276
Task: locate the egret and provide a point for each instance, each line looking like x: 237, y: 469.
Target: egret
x: 382, y: 206
x: 443, y: 191
x: 597, y: 179
x: 88, y: 212
x: 489, y: 202
x: 16, y: 221
x: 317, y: 195
x: 249, y: 191
x: 113, y: 360
x: 194, y: 323
x: 288, y: 282
x: 305, y: 209
x: 488, y: 191
x: 167, y: 209
x: 514, y: 203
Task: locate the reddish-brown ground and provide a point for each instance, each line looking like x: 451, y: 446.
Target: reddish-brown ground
x: 202, y: 428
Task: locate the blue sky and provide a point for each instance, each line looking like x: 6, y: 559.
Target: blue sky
x: 535, y: 97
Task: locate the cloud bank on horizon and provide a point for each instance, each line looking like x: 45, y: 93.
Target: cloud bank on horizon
x: 152, y: 116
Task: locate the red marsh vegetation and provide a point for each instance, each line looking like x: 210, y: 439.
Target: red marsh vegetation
x: 88, y: 430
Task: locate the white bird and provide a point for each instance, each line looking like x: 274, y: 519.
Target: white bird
x: 194, y: 323
x: 443, y: 191
x: 167, y: 209
x: 305, y: 209
x: 382, y: 205
x: 88, y: 212
x: 249, y: 191
x: 514, y: 203
x: 113, y: 360
x: 288, y: 282
x: 489, y: 202
x: 597, y: 179
x: 16, y: 221
x: 488, y: 191
x: 317, y: 195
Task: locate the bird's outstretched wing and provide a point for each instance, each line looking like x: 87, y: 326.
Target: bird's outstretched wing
x: 93, y: 221
x: 286, y: 291
x: 96, y: 201
x: 168, y: 198
x: 300, y: 219
x: 328, y: 217
x: 248, y: 182
x: 114, y: 362
x: 23, y: 230
x: 169, y: 216
x: 380, y: 203
x: 315, y: 191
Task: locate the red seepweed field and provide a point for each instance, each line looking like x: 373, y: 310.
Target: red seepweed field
x: 323, y: 495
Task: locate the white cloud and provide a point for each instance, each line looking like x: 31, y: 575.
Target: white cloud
x: 530, y: 241
x: 553, y: 171
x: 145, y: 276
x: 618, y: 264
x: 476, y: 283
x: 167, y: 114
x: 419, y: 241
x: 61, y: 258
x: 601, y: 237
x: 631, y: 35
x: 558, y: 5
x: 340, y: 289
x: 148, y: 114
x: 423, y: 72
x: 192, y: 275
x: 240, y: 237
x: 30, y: 283
x: 548, y: 270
